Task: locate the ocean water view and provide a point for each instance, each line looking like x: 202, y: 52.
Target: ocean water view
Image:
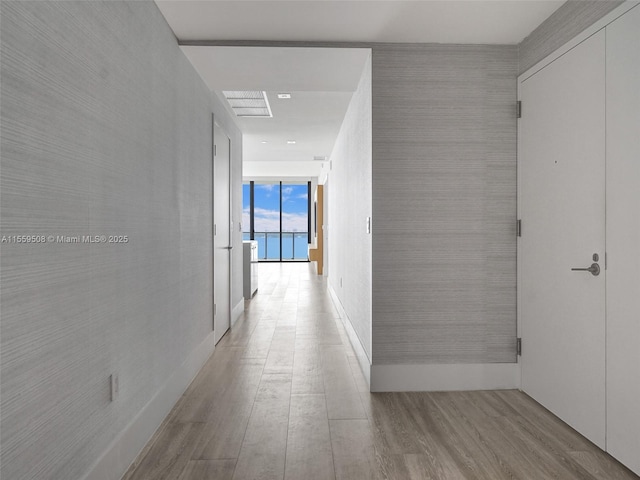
x: 294, y: 245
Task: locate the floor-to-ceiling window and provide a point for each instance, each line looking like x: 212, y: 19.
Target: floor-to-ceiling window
x: 277, y: 216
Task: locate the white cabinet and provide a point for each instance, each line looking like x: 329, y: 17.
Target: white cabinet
x: 250, y: 267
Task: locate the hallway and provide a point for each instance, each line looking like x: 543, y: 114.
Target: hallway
x: 283, y: 397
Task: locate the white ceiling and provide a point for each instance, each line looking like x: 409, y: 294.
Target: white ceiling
x: 321, y: 80
x: 267, y: 68
x: 452, y: 21
x: 311, y: 119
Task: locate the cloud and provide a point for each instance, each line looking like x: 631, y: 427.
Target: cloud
x: 286, y: 193
x: 268, y: 188
x: 303, y: 196
x: 246, y: 220
x: 269, y: 221
x: 294, y: 222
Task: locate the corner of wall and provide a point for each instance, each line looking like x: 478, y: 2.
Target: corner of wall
x: 564, y: 24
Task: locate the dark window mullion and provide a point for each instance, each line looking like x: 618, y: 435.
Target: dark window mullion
x: 252, y: 233
x: 281, y: 221
x: 308, y: 213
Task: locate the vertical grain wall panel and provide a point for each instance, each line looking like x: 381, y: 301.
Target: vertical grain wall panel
x: 444, y: 204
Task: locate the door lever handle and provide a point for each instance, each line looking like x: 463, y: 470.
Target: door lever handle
x: 594, y: 269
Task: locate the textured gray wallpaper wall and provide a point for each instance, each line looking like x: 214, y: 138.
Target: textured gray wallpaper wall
x: 106, y: 130
x: 349, y: 206
x: 564, y: 24
x: 444, y: 204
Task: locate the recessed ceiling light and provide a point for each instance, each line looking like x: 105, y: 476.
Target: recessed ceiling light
x: 291, y: 142
x: 264, y: 141
x: 284, y: 95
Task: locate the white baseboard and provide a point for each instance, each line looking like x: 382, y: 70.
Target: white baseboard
x: 444, y: 377
x: 121, y: 453
x: 361, y: 354
x: 237, y: 311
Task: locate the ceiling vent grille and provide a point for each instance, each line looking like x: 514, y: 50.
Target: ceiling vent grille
x: 249, y: 103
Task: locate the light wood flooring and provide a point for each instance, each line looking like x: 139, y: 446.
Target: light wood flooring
x: 283, y: 397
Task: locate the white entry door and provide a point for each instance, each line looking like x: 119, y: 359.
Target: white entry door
x: 221, y: 233
x: 562, y: 195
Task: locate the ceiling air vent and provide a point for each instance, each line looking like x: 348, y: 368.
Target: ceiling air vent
x: 320, y: 158
x: 249, y: 103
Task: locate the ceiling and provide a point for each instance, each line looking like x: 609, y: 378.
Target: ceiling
x: 452, y: 21
x: 322, y: 80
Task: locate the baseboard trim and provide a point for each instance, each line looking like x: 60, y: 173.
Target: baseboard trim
x: 121, y: 453
x: 237, y: 311
x: 361, y: 354
x: 444, y: 377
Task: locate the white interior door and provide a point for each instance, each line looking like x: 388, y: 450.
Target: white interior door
x: 623, y: 239
x: 562, y: 175
x: 221, y: 233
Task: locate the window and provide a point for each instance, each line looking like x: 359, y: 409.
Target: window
x: 277, y: 216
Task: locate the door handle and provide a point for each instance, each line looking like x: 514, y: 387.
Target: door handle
x: 594, y: 269
x: 228, y: 248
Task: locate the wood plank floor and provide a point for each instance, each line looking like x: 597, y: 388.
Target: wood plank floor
x: 283, y: 397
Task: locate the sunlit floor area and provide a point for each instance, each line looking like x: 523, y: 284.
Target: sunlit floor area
x: 283, y: 397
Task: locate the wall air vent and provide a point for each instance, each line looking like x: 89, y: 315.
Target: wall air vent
x: 249, y: 103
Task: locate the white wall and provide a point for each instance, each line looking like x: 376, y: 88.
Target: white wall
x: 349, y: 204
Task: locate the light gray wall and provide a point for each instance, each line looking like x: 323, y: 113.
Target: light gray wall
x: 106, y: 129
x: 349, y: 205
x: 444, y: 204
x: 564, y: 24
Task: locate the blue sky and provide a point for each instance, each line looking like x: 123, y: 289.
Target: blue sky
x: 267, y: 208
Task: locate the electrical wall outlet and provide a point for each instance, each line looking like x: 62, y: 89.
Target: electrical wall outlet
x: 115, y: 386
